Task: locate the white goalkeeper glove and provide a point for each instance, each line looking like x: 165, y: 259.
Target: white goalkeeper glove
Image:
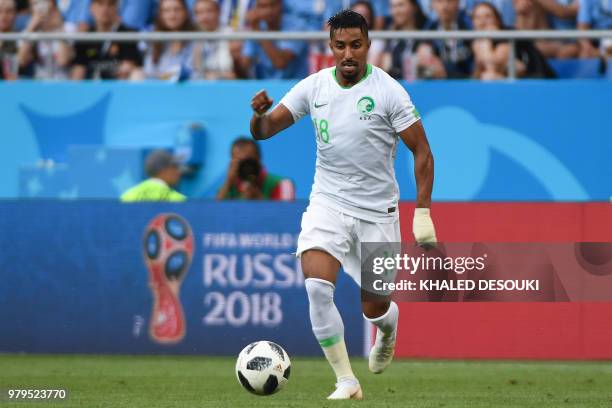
x: 423, y: 227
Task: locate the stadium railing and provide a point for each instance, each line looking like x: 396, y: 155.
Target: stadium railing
x: 510, y: 35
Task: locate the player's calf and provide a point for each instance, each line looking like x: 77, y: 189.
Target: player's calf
x: 328, y: 328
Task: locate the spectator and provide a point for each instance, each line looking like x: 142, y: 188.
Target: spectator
x: 106, y: 60
x: 504, y: 7
x: 272, y: 59
x: 492, y: 56
x: 445, y: 58
x: 8, y: 49
x: 247, y: 179
x: 464, y: 7
x: 377, y: 47
x: 561, y: 16
x: 399, y: 57
x: 170, y: 60
x: 595, y: 14
x: 531, y: 16
x: 164, y: 172
x: 380, y: 11
x: 45, y: 59
x: 211, y: 59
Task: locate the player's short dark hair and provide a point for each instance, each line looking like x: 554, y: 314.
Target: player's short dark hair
x: 243, y: 141
x: 347, y: 19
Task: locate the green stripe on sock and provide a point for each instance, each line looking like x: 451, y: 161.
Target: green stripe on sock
x: 330, y: 341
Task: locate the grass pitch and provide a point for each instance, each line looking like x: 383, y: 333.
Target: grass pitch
x: 164, y: 381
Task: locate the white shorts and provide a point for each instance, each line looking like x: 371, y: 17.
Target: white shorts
x: 341, y: 236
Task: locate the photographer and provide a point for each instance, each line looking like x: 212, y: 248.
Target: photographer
x: 247, y: 179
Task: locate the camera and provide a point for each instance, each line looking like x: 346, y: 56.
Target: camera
x: 249, y: 170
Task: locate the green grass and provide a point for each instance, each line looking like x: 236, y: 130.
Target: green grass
x: 164, y: 381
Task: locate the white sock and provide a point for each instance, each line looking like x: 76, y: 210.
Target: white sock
x: 327, y: 326
x: 387, y: 323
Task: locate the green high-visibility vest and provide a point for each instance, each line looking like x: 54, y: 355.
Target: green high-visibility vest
x: 151, y: 190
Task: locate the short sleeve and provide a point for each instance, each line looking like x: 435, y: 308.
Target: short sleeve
x: 402, y: 112
x: 297, y: 100
x: 584, y: 12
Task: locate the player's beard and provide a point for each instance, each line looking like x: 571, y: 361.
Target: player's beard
x: 352, y: 75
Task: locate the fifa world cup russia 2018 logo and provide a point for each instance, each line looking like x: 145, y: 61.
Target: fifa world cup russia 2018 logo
x: 168, y: 251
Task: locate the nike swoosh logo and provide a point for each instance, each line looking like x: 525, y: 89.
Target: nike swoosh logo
x: 319, y: 106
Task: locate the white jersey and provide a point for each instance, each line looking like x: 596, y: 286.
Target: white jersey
x: 357, y: 133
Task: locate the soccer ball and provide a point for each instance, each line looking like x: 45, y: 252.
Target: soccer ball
x: 263, y: 368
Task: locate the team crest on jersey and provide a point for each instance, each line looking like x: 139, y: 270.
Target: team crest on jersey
x: 365, y: 106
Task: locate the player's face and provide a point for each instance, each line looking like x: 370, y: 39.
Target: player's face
x: 350, y: 48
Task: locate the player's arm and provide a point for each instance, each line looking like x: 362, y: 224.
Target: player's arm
x: 422, y: 226
x: 265, y: 125
x: 414, y: 137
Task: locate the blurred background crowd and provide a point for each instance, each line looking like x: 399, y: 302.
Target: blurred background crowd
x: 403, y: 59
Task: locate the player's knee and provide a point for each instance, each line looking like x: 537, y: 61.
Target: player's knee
x: 319, y: 264
x: 319, y: 291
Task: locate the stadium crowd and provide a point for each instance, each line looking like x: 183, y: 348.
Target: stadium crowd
x: 403, y: 59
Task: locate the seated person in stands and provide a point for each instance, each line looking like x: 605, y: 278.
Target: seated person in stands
x: 170, y: 60
x: 596, y: 15
x: 211, y: 59
x: 279, y: 59
x: 164, y: 171
x: 44, y: 59
x: 399, y: 58
x: 491, y: 56
x: 105, y: 59
x: 247, y: 179
x: 561, y: 16
x: 531, y: 15
x: 8, y: 49
x: 448, y: 58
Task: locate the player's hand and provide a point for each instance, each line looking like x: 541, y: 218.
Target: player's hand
x: 261, y: 102
x: 423, y: 228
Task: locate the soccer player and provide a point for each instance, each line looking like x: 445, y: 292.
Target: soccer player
x: 358, y: 112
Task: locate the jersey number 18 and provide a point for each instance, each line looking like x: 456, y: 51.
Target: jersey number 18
x: 322, y: 129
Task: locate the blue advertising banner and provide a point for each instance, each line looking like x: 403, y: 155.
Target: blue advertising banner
x: 502, y: 141
x: 196, y: 278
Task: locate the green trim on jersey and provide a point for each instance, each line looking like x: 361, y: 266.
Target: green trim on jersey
x: 367, y: 74
x: 151, y: 190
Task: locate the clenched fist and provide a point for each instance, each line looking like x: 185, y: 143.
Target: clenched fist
x: 261, y: 102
